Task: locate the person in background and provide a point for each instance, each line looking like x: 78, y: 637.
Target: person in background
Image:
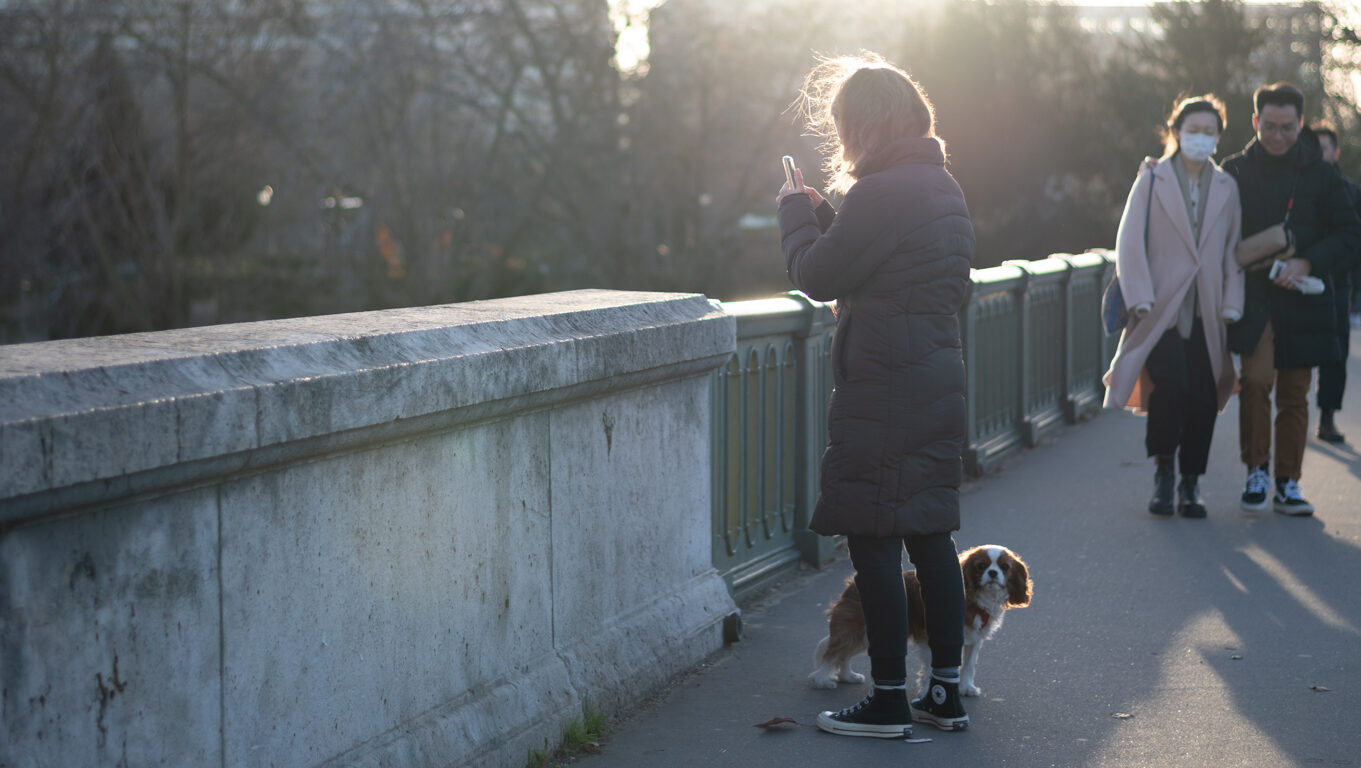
x: 1174, y: 253
x: 1284, y: 333
x: 1332, y: 376
x: 896, y: 258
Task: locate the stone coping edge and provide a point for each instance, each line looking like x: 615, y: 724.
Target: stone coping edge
x: 91, y: 417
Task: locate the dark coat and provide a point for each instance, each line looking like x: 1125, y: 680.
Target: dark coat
x: 1327, y: 232
x: 1350, y: 267
x: 896, y: 258
x: 1346, y: 273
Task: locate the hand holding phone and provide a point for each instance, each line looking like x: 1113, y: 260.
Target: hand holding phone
x: 794, y: 183
x: 789, y: 169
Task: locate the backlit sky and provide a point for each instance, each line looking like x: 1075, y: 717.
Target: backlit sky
x: 630, y: 18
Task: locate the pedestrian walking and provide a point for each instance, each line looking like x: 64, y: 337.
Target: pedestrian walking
x: 1332, y: 375
x: 1175, y: 263
x: 896, y: 259
x: 1285, y: 333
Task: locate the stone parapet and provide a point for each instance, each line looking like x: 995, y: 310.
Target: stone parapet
x: 409, y: 537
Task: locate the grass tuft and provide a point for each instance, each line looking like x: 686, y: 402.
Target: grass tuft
x: 580, y: 735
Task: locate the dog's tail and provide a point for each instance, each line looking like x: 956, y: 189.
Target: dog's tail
x: 822, y: 674
x: 821, y: 650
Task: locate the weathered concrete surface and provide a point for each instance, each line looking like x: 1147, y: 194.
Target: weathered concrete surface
x: 406, y: 538
x: 109, y: 646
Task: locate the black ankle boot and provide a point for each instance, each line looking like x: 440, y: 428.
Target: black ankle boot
x: 1327, y: 430
x: 881, y: 715
x: 1164, y: 488
x: 1189, y: 503
x: 941, y: 706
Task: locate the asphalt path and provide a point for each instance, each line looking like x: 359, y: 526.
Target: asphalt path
x: 1229, y: 641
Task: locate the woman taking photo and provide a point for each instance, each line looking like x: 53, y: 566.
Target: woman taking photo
x: 896, y: 259
x: 1176, y: 268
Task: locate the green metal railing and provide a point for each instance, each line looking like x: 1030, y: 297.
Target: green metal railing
x: 1034, y: 354
x: 769, y: 406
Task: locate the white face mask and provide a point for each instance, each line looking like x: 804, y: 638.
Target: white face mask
x: 1198, y: 147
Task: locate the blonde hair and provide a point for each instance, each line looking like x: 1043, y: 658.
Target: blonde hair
x: 859, y: 104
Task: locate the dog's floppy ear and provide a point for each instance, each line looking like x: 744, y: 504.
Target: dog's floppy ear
x: 1019, y: 585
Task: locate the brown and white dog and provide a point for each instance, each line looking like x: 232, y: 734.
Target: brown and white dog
x: 995, y: 579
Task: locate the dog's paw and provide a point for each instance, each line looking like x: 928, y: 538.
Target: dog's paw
x: 820, y: 679
x: 970, y: 690
x: 851, y: 677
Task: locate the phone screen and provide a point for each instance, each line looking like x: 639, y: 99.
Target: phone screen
x: 789, y: 170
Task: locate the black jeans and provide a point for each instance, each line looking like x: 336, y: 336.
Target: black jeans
x: 1185, y: 401
x: 1332, y: 377
x: 879, y: 577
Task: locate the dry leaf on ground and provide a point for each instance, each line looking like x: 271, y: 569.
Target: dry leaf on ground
x: 775, y: 722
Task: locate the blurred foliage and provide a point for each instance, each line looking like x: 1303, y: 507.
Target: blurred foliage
x: 166, y: 163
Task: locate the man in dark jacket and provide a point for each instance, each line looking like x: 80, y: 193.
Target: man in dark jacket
x: 1332, y: 377
x: 1284, y: 332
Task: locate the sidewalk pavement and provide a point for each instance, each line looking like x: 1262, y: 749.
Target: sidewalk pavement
x: 1230, y: 641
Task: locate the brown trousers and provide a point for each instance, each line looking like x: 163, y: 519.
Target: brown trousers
x: 1257, y: 377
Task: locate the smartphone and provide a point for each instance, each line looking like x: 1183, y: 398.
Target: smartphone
x: 789, y: 169
x: 1276, y: 268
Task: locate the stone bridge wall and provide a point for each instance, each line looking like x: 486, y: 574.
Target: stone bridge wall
x: 415, y: 537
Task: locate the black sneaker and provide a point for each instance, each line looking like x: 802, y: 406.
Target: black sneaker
x: 881, y: 715
x: 1254, y: 494
x: 941, y: 707
x: 1288, y: 500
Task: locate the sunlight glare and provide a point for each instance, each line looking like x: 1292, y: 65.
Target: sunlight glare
x: 631, y: 48
x: 1297, y: 589
x: 1190, y: 669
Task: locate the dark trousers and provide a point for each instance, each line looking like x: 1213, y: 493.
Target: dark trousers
x: 1184, y: 402
x: 1332, y: 377
x: 879, y: 577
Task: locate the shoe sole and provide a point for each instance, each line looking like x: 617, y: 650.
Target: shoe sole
x: 1251, y: 507
x: 1294, y: 511
x: 943, y: 723
x: 898, y: 731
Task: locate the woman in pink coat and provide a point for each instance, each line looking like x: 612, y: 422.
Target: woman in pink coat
x: 1182, y: 286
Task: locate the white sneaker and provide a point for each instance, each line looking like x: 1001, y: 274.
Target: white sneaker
x: 1255, y: 492
x: 1288, y: 500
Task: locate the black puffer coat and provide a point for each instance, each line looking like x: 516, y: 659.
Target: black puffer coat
x: 1327, y: 233
x: 896, y: 258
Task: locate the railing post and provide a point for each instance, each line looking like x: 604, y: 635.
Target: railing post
x: 813, y: 548
x: 993, y: 365
x: 1086, y: 338
x: 1067, y: 396
x: 1024, y: 423
x: 968, y: 332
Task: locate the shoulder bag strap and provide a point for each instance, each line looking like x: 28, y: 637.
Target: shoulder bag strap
x: 1148, y: 214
